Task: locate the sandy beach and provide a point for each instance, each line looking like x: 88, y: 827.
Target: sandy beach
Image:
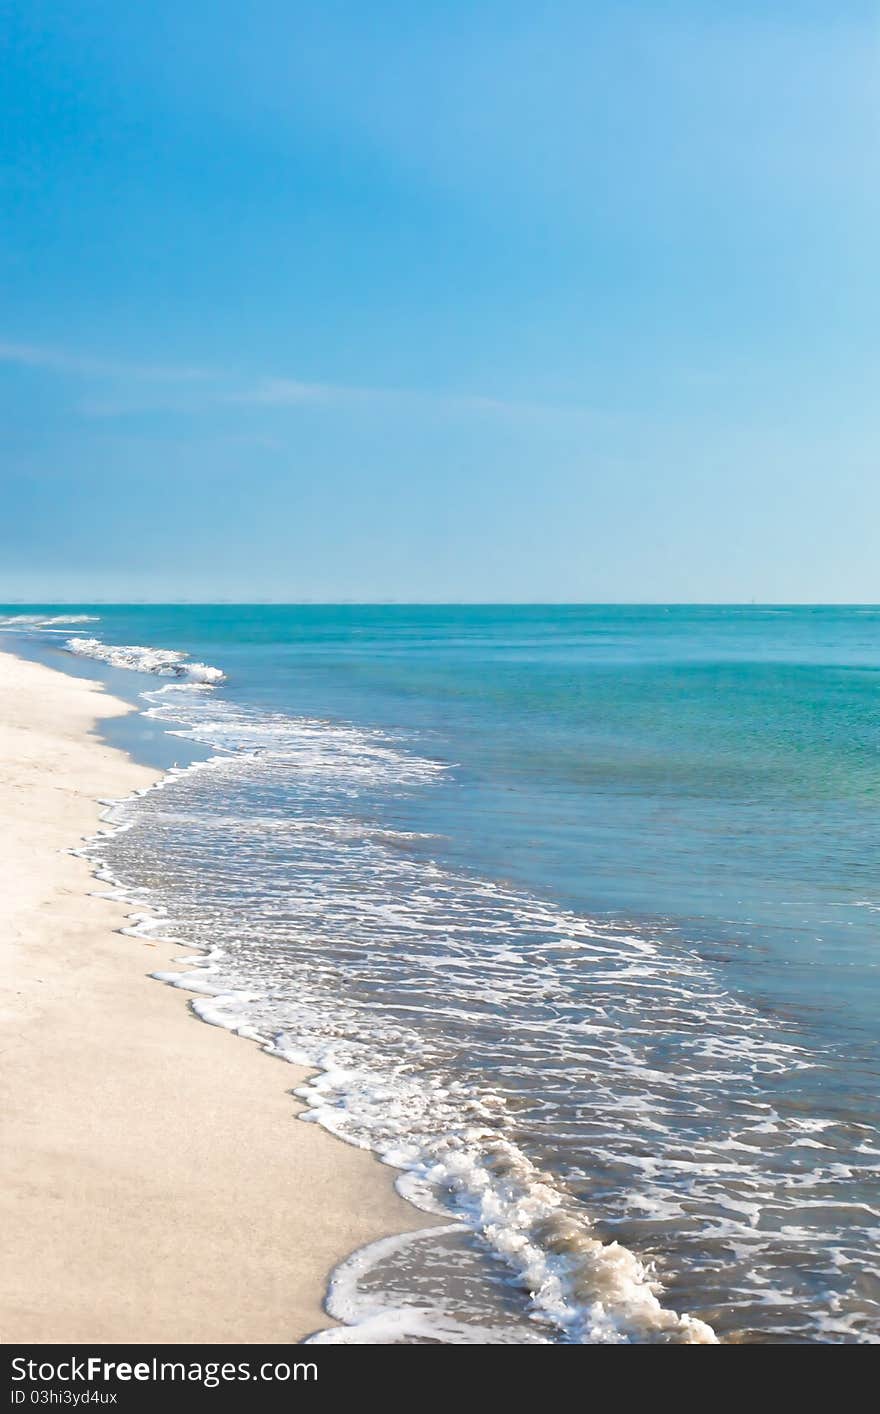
x: 157, y: 1185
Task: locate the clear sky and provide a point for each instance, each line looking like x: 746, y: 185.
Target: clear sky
x: 456, y: 299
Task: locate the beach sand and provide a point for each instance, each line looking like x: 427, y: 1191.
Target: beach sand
x: 156, y: 1184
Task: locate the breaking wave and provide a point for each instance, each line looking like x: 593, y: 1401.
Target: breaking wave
x: 605, y: 1133
x: 526, y: 1068
x: 165, y: 662
x: 51, y: 622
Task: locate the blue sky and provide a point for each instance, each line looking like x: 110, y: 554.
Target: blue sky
x: 494, y: 301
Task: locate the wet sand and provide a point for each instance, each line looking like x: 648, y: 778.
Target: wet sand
x: 156, y: 1184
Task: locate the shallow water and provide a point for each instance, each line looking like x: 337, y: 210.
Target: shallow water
x: 575, y: 909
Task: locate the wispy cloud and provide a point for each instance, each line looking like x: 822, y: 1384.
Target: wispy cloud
x: 119, y: 388
x: 291, y: 392
x: 55, y: 360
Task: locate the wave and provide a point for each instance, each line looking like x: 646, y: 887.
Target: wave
x: 592, y: 1292
x: 45, y: 621
x: 164, y: 662
x: 542, y: 1078
x: 447, y: 1145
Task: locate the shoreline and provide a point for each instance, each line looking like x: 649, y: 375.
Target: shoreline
x: 156, y: 1184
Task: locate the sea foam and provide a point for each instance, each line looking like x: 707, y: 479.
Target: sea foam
x: 164, y: 662
x: 452, y: 1158
x: 44, y: 622
x: 525, y: 1068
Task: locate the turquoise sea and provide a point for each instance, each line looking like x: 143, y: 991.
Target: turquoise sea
x: 575, y: 911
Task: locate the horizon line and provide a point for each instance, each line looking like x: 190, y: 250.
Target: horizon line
x: 447, y: 603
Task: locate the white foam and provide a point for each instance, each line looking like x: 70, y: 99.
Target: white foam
x: 374, y: 1318
x: 44, y: 621
x: 592, y: 1292
x: 407, y: 986
x: 322, y: 753
x: 165, y: 662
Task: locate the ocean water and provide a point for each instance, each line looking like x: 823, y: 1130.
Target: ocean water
x: 574, y: 910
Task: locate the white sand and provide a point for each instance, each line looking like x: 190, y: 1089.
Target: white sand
x: 156, y: 1184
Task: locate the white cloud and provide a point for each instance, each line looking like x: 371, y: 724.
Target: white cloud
x: 116, y: 388
x: 55, y: 360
